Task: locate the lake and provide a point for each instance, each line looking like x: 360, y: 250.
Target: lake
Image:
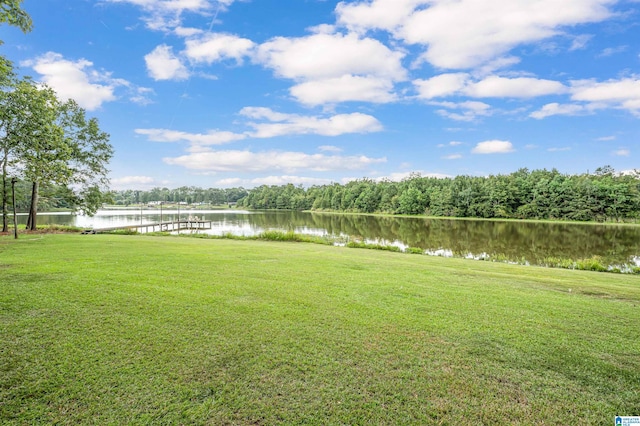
x: 522, y: 242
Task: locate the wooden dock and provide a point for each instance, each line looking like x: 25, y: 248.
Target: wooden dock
x: 173, y: 226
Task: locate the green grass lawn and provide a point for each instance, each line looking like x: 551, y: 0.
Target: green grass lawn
x: 107, y: 329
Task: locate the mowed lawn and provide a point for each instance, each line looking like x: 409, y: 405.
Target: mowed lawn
x: 99, y: 329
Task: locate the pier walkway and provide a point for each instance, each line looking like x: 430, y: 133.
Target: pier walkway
x: 173, y: 226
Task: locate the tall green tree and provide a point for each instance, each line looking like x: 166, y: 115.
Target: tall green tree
x: 89, y: 157
x: 7, y: 83
x: 11, y: 12
x: 41, y: 152
x: 51, y: 142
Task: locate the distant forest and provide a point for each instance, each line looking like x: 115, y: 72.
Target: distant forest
x: 540, y: 194
x: 185, y: 194
x: 58, y: 197
x: 603, y: 195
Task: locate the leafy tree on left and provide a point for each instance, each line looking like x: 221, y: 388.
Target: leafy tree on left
x: 7, y: 80
x: 46, y: 141
x: 12, y: 14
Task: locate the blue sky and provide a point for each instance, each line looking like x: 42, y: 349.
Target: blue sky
x: 222, y: 93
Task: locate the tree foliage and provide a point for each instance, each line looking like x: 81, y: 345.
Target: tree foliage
x: 7, y: 80
x: 48, y: 142
x: 539, y: 194
x: 11, y: 13
x: 45, y: 141
x: 184, y: 194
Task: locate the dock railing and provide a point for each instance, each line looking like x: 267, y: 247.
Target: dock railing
x: 171, y: 226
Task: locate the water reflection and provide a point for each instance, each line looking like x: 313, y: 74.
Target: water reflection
x: 505, y: 240
x: 508, y: 240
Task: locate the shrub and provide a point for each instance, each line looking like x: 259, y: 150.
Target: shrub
x: 592, y: 264
x: 414, y: 250
x: 355, y: 244
x: 54, y: 228
x: 557, y: 262
x: 293, y: 237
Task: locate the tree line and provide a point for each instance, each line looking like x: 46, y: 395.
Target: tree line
x: 539, y: 194
x: 45, y: 142
x: 54, y: 197
x: 184, y: 194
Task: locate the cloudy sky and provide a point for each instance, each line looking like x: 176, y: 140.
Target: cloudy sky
x: 220, y: 93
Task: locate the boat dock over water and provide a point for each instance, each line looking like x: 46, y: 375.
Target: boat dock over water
x: 172, y: 226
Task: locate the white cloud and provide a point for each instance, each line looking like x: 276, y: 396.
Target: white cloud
x: 279, y: 124
x: 162, y: 64
x: 522, y: 87
x: 606, y: 138
x: 141, y: 96
x: 387, y: 15
x: 166, y: 15
x: 283, y: 180
x: 214, y: 137
x: 77, y: 80
x: 493, y: 147
x: 620, y: 94
x: 555, y: 108
x: 610, y: 51
x: 247, y: 161
x: 329, y: 148
x: 468, y: 33
x: 131, y: 182
x: 466, y: 111
x: 266, y: 123
x: 441, y: 85
x: 230, y: 182
x: 452, y: 143
x: 187, y: 31
x: 622, y: 153
x: 343, y: 89
x: 322, y: 29
x: 556, y: 149
x: 580, y: 42
x: 324, y: 56
x: 218, y: 47
x: 273, y: 180
x: 490, y: 87
x: 330, y: 67
x: 612, y: 90
x: 591, y: 95
x: 262, y: 113
x: 452, y: 157
x: 491, y: 66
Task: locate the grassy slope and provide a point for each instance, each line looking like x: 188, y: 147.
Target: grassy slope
x: 113, y: 329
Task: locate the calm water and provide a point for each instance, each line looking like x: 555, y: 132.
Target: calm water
x: 516, y: 241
